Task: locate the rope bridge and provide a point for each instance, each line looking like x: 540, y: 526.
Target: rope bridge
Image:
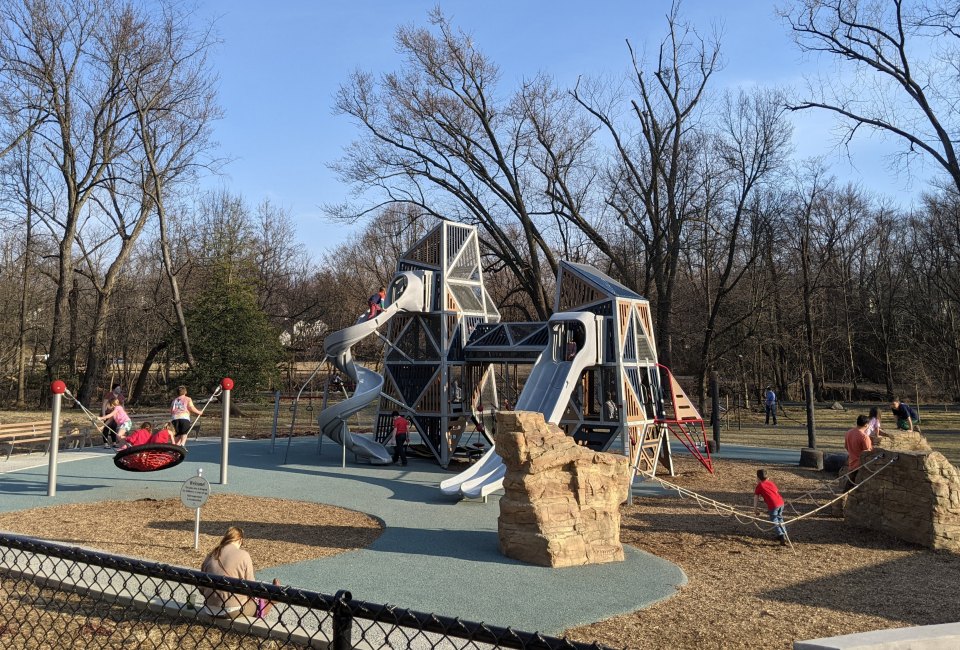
x: 765, y: 525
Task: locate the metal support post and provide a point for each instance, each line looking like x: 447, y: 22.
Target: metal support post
x: 227, y: 385
x: 276, y: 418
x: 57, y: 389
x: 342, y: 621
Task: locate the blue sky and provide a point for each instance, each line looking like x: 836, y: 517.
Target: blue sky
x: 280, y: 67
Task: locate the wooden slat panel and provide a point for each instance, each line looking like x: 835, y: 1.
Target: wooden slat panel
x: 624, y: 311
x: 634, y: 410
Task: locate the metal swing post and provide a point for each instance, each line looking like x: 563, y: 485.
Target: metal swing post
x: 227, y: 384
x: 57, y: 389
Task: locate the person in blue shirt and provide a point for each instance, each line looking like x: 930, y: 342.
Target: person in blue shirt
x: 907, y: 416
x: 770, y: 406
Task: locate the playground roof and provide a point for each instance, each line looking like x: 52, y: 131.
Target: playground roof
x: 603, y: 281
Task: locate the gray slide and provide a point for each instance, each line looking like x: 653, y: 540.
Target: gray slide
x: 547, y: 391
x: 407, y: 290
x: 554, y: 376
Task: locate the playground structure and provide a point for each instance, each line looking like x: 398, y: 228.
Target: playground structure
x: 444, y: 345
x: 406, y: 296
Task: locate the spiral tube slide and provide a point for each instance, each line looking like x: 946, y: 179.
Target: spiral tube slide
x: 407, y: 291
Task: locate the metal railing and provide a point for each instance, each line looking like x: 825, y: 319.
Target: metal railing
x: 56, y: 596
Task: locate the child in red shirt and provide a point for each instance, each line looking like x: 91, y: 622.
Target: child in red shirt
x: 401, y: 430
x: 774, y: 502
x: 164, y: 436
x: 139, y: 437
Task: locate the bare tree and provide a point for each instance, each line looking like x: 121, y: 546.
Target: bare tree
x: 123, y: 100
x: 45, y: 52
x: 900, y: 75
x: 653, y: 180
x: 172, y: 92
x: 438, y: 137
x: 750, y: 148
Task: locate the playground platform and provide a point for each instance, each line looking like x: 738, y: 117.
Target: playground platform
x: 435, y: 554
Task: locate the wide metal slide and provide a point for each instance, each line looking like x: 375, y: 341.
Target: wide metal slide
x: 574, y: 346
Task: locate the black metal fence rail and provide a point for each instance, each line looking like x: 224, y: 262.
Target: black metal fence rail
x: 57, y: 596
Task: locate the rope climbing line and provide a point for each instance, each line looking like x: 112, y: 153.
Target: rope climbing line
x: 762, y: 524
x: 828, y: 487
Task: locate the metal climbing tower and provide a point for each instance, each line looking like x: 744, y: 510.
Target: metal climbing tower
x: 423, y: 360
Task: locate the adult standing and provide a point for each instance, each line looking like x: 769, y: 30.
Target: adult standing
x: 401, y: 429
x: 856, y: 442
x: 770, y: 406
x: 180, y: 410
x: 117, y: 392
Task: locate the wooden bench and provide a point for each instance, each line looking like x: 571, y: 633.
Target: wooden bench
x: 36, y: 433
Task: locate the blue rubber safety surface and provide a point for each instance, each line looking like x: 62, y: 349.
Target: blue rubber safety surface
x: 435, y: 554
x: 764, y: 455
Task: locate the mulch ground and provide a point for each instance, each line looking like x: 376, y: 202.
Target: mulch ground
x: 746, y: 591
x: 276, y: 531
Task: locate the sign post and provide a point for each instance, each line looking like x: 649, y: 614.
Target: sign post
x: 193, y: 494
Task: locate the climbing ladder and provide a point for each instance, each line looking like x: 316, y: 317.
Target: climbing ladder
x: 648, y: 445
x: 680, y: 417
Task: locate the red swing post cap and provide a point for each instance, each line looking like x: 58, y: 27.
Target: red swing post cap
x: 226, y: 383
x: 58, y: 387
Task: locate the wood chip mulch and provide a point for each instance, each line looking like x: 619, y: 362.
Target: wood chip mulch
x: 746, y: 591
x: 276, y: 531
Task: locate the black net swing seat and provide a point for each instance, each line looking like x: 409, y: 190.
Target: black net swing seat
x: 150, y: 458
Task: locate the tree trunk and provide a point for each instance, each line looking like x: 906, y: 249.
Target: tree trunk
x: 888, y: 372
x: 808, y: 306
x: 168, y: 267
x: 95, y: 350
x: 145, y: 371
x: 73, y: 303
x: 25, y: 283
x: 664, y: 329
x: 64, y: 280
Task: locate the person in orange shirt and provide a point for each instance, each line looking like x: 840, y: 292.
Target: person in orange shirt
x: 856, y: 441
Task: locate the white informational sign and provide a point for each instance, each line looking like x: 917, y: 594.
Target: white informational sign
x: 194, y: 492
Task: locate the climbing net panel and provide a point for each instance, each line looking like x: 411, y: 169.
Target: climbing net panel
x: 150, y: 458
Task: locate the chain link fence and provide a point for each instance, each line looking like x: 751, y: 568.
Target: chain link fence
x: 55, y: 596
